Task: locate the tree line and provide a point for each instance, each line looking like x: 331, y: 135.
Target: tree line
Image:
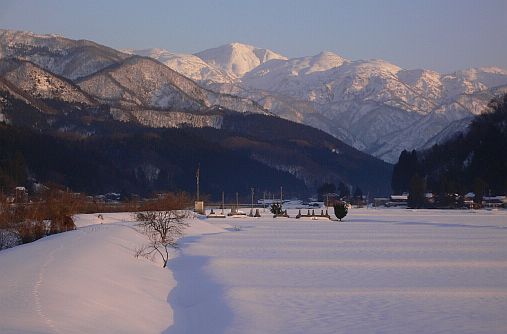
x: 27, y: 218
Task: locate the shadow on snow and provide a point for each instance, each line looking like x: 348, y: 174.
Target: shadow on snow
x: 198, y: 302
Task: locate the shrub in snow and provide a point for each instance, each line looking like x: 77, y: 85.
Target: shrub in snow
x: 8, y: 239
x: 276, y: 209
x: 30, y: 230
x: 340, y: 210
x: 50, y: 212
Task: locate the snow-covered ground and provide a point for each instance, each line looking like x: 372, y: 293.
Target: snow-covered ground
x: 86, y: 281
x: 379, y: 271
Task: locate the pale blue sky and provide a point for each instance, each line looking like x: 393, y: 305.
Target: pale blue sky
x: 444, y: 35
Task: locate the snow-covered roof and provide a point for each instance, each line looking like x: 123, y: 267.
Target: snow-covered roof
x: 502, y: 199
x: 399, y: 197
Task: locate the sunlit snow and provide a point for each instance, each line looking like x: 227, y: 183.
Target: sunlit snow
x: 379, y: 271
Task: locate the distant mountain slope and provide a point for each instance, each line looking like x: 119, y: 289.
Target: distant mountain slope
x: 114, y: 77
x: 28, y: 79
x: 306, y: 152
x: 138, y: 82
x: 283, y: 75
x: 141, y: 82
x: 237, y: 58
x: 192, y: 66
x: 374, y: 105
x: 66, y: 57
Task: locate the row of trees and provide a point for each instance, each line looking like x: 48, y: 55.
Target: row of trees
x: 445, y: 197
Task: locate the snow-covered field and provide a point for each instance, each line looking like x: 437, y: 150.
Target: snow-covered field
x: 379, y: 271
x: 86, y: 281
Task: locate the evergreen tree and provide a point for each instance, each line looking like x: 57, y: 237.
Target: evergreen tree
x: 403, y: 171
x: 417, y: 192
x: 340, y: 210
x: 479, y: 190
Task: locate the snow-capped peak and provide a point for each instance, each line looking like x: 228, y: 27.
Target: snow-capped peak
x: 237, y: 58
x: 323, y: 62
x: 187, y: 64
x: 489, y: 76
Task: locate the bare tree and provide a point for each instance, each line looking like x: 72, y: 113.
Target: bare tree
x: 163, y: 229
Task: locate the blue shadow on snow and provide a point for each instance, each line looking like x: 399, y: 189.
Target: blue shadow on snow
x: 197, y: 300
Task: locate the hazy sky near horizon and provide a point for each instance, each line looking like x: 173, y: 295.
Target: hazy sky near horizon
x: 443, y: 35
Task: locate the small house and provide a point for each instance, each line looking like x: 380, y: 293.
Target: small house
x: 494, y: 201
x: 397, y: 200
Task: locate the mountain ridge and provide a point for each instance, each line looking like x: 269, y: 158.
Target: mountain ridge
x: 359, y: 91
x: 63, y: 56
x: 126, y: 103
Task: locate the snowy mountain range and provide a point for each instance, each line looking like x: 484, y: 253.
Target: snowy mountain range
x: 116, y: 78
x: 148, y: 123
x: 372, y: 105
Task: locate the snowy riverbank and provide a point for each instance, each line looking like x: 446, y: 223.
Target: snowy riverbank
x: 424, y: 271
x: 86, y: 281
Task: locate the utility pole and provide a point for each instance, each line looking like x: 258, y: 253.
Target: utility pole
x: 237, y: 201
x: 252, y: 191
x: 264, y: 201
x: 281, y: 194
x: 223, y: 205
x: 252, y: 203
x: 197, y: 180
